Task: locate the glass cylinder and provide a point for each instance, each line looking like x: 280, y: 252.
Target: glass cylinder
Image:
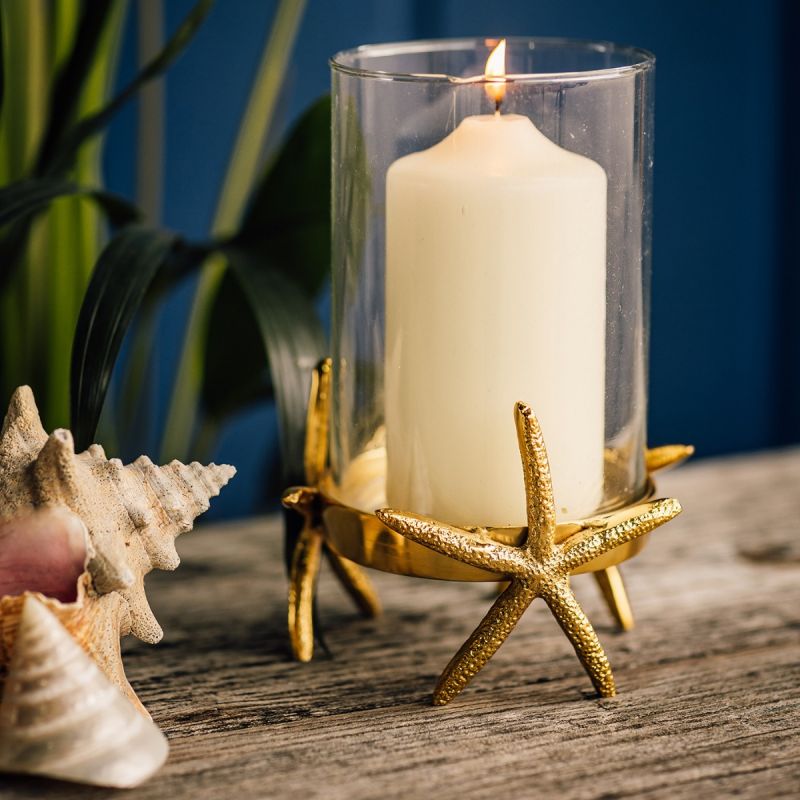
x: 491, y: 244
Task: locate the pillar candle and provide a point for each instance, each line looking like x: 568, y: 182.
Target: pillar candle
x: 495, y: 293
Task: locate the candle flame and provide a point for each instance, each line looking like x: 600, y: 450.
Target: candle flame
x: 495, y: 72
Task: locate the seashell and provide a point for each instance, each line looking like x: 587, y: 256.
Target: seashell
x: 60, y: 716
x: 133, y: 513
x: 63, y: 585
x: 96, y: 623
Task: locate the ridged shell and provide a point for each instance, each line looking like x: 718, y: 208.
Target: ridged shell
x: 133, y: 513
x: 96, y: 623
x: 61, y: 717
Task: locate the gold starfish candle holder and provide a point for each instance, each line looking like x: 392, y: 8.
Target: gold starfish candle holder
x: 491, y: 208
x: 534, y: 561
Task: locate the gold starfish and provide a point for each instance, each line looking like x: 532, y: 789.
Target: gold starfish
x: 539, y: 568
x: 311, y: 543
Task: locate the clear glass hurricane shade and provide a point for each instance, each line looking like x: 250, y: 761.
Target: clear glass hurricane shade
x: 491, y: 244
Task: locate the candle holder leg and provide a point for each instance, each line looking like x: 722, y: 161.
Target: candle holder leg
x: 614, y: 593
x: 609, y: 580
x: 311, y: 544
x: 304, y: 572
x: 303, y: 575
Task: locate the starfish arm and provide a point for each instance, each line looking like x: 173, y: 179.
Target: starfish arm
x: 485, y: 641
x: 595, y: 543
x: 468, y: 547
x: 579, y: 631
x: 302, y: 580
x: 670, y: 455
x: 538, y: 485
x: 355, y: 583
x: 315, y: 452
x: 300, y: 499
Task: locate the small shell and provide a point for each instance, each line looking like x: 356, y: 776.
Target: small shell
x: 61, y: 717
x: 95, y: 622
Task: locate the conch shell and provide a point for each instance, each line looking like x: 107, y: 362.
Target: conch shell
x: 132, y: 513
x: 61, y: 717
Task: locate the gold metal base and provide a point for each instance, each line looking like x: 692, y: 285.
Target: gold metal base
x: 312, y: 542
x: 536, y: 560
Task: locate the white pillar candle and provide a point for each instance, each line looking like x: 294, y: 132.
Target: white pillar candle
x: 495, y: 292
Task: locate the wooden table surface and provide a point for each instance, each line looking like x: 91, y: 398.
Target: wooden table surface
x: 709, y: 680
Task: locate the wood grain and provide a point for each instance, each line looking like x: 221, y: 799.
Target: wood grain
x: 709, y: 679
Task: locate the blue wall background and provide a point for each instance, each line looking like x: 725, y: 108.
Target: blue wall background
x: 725, y: 354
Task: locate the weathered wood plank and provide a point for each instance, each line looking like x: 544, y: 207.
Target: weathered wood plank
x: 709, y: 679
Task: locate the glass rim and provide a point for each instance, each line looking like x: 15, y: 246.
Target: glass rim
x: 639, y: 58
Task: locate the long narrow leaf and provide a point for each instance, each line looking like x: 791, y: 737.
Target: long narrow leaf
x: 288, y: 218
x: 22, y: 200
x: 258, y: 116
x: 294, y: 342
x: 233, y: 377
x: 25, y: 198
x: 125, y: 271
x: 150, y: 143
x: 68, y: 86
x: 64, y: 154
x: 25, y: 78
x: 236, y: 188
x: 2, y: 83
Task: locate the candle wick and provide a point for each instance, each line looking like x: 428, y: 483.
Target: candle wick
x: 497, y: 103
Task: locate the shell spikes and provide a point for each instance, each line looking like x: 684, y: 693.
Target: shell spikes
x: 61, y: 717
x: 133, y: 513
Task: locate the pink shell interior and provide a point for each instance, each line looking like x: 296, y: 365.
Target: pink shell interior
x: 44, y: 551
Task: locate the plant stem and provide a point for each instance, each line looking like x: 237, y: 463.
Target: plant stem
x: 238, y: 182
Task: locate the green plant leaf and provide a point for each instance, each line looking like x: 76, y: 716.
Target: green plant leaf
x: 293, y: 342
x: 287, y: 226
x: 236, y: 371
x: 236, y: 187
x: 64, y: 152
x: 127, y: 268
x: 24, y: 198
x: 288, y: 219
x: 2, y: 61
x: 257, y: 119
x: 68, y: 86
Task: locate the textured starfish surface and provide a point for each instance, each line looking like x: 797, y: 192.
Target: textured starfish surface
x: 311, y: 543
x: 539, y: 568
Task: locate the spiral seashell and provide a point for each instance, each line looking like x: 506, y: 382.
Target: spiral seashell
x: 60, y: 716
x: 133, y: 512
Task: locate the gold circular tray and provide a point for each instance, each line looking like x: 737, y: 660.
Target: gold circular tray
x: 360, y: 536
